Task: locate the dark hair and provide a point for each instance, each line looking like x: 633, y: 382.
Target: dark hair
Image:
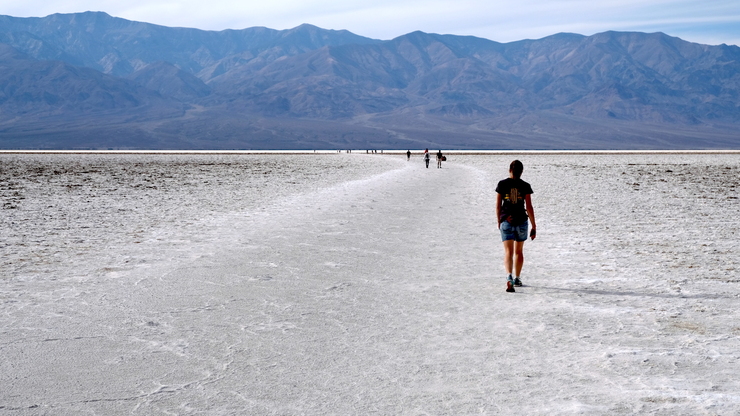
x: 516, y: 167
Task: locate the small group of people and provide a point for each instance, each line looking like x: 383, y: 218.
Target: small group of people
x: 427, y: 157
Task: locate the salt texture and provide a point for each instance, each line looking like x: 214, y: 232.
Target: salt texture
x: 356, y: 284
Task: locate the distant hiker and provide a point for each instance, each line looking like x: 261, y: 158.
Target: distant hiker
x: 514, y: 210
x: 426, y: 157
x: 439, y: 159
x: 408, y: 155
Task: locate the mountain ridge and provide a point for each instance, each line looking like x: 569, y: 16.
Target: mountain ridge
x: 261, y: 88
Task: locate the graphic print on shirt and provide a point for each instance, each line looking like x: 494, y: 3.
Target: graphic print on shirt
x: 513, y: 196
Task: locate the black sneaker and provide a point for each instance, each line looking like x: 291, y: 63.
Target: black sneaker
x: 510, y: 286
x: 517, y: 282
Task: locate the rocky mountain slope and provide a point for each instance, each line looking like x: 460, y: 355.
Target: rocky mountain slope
x: 92, y: 80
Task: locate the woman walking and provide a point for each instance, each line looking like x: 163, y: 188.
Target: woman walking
x: 514, y: 211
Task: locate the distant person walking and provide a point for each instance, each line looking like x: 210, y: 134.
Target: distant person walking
x: 408, y: 155
x: 426, y: 157
x: 439, y: 159
x: 514, y: 211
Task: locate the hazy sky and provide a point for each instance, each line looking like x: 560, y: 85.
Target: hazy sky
x: 707, y: 21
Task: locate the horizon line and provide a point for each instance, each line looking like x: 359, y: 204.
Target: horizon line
x: 377, y: 152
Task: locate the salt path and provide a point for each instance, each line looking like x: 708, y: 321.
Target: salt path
x: 386, y: 296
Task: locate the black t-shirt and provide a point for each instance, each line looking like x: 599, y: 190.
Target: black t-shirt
x: 513, y: 192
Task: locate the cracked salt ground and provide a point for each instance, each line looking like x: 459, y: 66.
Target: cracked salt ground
x: 378, y: 290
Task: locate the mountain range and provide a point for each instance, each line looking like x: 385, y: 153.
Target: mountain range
x: 92, y: 81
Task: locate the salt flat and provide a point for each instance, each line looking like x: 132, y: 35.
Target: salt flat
x: 377, y: 290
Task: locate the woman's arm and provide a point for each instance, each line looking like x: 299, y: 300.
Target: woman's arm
x: 498, y: 209
x: 530, y: 211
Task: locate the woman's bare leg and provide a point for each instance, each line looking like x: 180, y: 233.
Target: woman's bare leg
x: 518, y: 257
x: 509, y: 256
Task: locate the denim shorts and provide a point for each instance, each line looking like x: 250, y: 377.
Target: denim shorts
x: 516, y: 233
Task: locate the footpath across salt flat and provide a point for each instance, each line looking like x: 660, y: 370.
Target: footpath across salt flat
x: 384, y: 296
